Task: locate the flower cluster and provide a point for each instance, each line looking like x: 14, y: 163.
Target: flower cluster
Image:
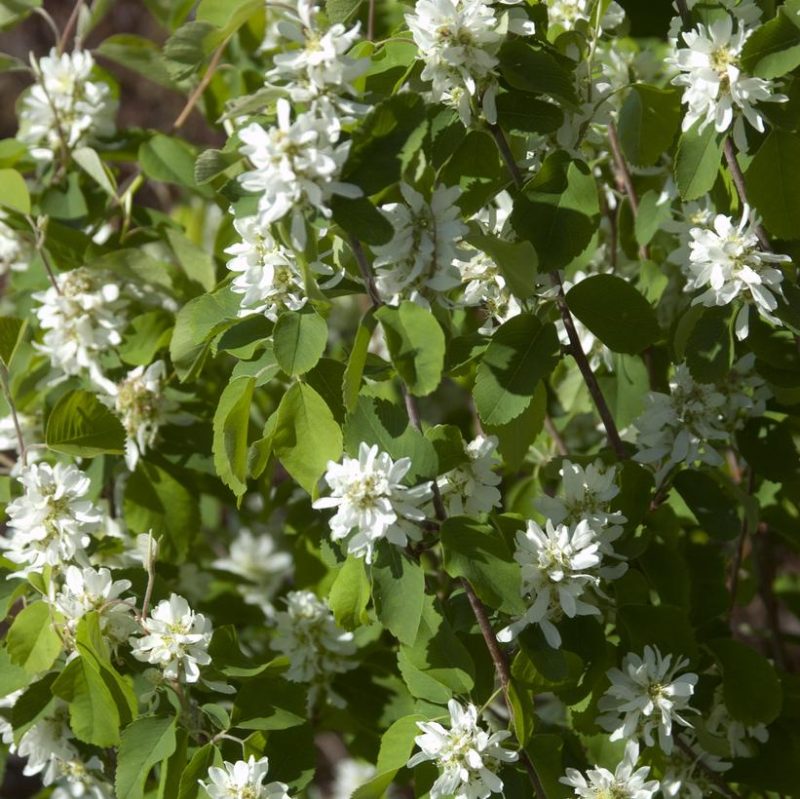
x: 371, y: 501
x: 471, y: 489
x: 243, y: 779
x: 627, y: 780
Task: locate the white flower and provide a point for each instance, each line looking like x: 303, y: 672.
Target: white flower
x: 349, y: 775
x: 296, y: 164
x: 86, y: 590
x: 51, y: 522
x: 486, y: 286
x: 47, y: 743
x: 308, y: 635
x: 81, y: 320
x: 627, y: 782
x: 687, y: 777
x: 715, y: 85
x: 176, y: 639
x: 458, y: 40
x: 681, y: 427
x: 65, y: 103
x: 269, y: 278
x: 243, y: 779
x: 565, y: 13
x: 320, y: 66
x: 79, y: 780
x: 422, y: 251
x: 15, y: 252
x: 471, y: 489
x: 371, y: 500
x: 467, y: 756
x: 140, y: 403
x: 736, y: 733
x: 746, y: 393
x: 728, y: 262
x: 645, y: 697
x: 257, y: 560
x: 556, y: 572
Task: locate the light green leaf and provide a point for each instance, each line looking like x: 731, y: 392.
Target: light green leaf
x: 535, y: 70
x: 33, y: 644
x: 11, y: 330
x: 14, y: 192
x: 398, y: 589
x: 750, y: 685
x: 299, y: 340
x: 416, y: 343
x: 306, y: 436
x: 521, y: 353
x: 615, y: 312
x: 650, y: 217
x: 773, y: 48
x: 516, y: 437
x: 357, y: 360
x: 697, y: 162
x: 168, y: 159
x: 82, y: 426
x: 145, y: 742
x: 88, y: 160
x: 349, y: 594
x: 197, y: 263
x: 517, y: 261
x: 228, y: 14
x: 231, y: 424
x: 196, y: 769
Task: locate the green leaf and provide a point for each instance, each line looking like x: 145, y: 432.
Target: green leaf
x: 697, y: 162
x: 168, y: 160
x: 138, y: 54
x: 349, y: 594
x: 145, y: 742
x: 398, y: 589
x: 306, y: 436
x: 299, y: 341
x: 650, y: 217
x: 231, y: 424
x: 716, y: 510
x: 515, y: 437
x: 648, y: 122
x: 145, y: 336
x: 341, y: 10
x: 197, y: 263
x: 11, y: 330
x: 357, y: 360
x: 517, y: 262
x: 228, y: 14
x: 397, y: 744
x: 269, y: 702
x: 187, y: 49
x: 521, y: 353
x: 196, y: 769
x: 82, y: 426
x: 361, y: 219
x: 33, y: 644
x: 196, y: 324
x: 14, y: 191
x: 416, y: 343
x: 479, y: 554
x: 517, y: 110
x: 709, y: 348
x: 773, y: 49
x: 771, y: 187
x: 89, y: 161
x: 750, y: 685
x: 12, y: 11
x: 557, y: 211
x: 162, y: 497
x: 664, y: 626
x: 378, y: 421
x: 477, y: 168
x: 93, y: 714
x: 615, y: 312
x: 534, y: 70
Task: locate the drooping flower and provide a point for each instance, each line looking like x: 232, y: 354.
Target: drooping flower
x: 716, y: 86
x: 468, y: 757
x: 15, y: 252
x: 420, y: 256
x: 729, y: 263
x: 309, y: 636
x: 627, y: 781
x: 176, y: 639
x: 65, y: 108
x: 243, y: 779
x: 257, y: 559
x: 296, y: 166
x: 46, y: 744
x: 51, y: 522
x: 558, y: 565
x: 647, y: 696
x: 372, y: 501
x: 471, y: 488
x: 82, y: 319
x: 139, y: 400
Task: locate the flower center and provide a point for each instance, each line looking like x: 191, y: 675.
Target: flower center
x: 721, y: 59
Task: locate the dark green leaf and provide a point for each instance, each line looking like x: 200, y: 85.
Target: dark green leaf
x: 82, y: 426
x: 145, y: 742
x: 231, y: 424
x: 697, y: 162
x: 648, y: 122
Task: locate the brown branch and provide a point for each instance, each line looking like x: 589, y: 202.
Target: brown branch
x: 371, y: 21
x: 741, y: 189
x: 576, y: 350
x: 683, y: 10
x: 194, y: 97
x: 737, y: 561
x: 766, y: 576
x: 625, y: 178
x: 69, y: 27
x: 552, y: 431
x: 723, y: 786
x: 366, y: 272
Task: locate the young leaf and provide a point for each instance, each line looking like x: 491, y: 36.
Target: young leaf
x: 398, y: 589
x: 231, y: 424
x: 33, y: 644
x: 11, y: 330
x: 299, y: 341
x: 145, y: 742
x: 80, y: 425
x: 14, y: 191
x: 349, y: 594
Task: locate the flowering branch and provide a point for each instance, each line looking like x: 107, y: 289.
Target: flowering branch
x: 195, y: 96
x: 624, y: 174
x: 741, y: 190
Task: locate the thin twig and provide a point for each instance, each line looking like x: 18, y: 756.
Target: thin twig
x: 766, y: 577
x: 39, y: 239
x: 625, y: 177
x: 14, y: 418
x: 371, y: 20
x: 552, y: 431
x: 712, y: 775
x: 741, y: 189
x: 366, y: 272
x: 576, y: 349
x: 737, y: 561
x: 70, y: 26
x: 194, y: 97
